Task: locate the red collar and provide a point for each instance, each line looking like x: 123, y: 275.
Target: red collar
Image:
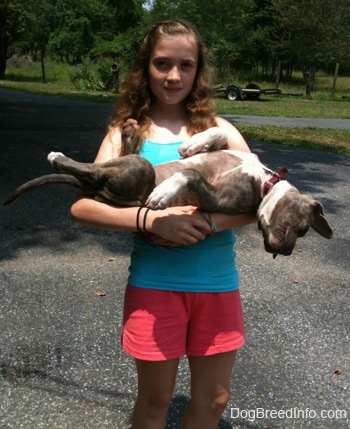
x: 276, y: 177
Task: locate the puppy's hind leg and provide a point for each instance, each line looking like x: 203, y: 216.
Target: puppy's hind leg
x: 86, y: 172
x: 67, y: 165
x: 53, y: 156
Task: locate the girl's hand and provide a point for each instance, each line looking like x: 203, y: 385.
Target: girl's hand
x: 177, y: 226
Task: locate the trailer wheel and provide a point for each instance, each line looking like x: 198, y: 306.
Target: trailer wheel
x: 233, y: 93
x: 253, y: 96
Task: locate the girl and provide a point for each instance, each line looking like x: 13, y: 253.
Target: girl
x: 182, y: 296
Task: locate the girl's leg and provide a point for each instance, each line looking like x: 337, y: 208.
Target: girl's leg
x: 210, y: 390
x: 156, y: 381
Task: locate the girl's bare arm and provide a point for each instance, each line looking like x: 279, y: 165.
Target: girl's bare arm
x: 180, y: 225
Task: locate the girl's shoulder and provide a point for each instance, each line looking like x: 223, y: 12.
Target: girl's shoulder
x: 235, y: 138
x: 223, y: 123
x: 110, y: 146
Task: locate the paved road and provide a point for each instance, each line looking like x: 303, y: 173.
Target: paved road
x: 61, y: 363
x: 95, y: 117
x: 290, y: 122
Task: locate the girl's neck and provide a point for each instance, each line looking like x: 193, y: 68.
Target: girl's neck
x: 168, y: 111
x: 168, y: 123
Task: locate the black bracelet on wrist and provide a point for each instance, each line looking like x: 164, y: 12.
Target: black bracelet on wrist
x: 138, y: 219
x: 144, y: 220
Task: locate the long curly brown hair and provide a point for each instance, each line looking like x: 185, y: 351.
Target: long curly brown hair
x: 136, y: 97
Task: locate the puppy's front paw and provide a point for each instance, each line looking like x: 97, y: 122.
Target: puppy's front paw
x: 212, y: 139
x: 191, y: 147
x: 52, y: 156
x: 130, y: 136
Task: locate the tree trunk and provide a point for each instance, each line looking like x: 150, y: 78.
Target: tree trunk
x: 43, y: 69
x: 278, y: 73
x: 2, y: 65
x: 308, y: 84
x: 335, y: 77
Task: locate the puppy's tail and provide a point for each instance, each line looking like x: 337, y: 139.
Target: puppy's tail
x: 49, y: 179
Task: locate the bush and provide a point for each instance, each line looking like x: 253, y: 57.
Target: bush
x: 109, y: 79
x: 85, y: 77
x: 90, y: 76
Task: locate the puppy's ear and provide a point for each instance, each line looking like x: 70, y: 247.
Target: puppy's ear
x: 320, y: 223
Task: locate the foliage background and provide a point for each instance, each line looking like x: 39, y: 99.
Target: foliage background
x: 245, y: 37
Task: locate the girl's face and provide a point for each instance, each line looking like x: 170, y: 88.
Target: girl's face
x: 172, y: 68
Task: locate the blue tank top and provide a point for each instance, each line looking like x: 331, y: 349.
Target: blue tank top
x: 207, y: 266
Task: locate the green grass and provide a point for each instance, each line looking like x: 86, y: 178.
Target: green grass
x: 66, y: 90
x: 286, y: 106
x: 337, y: 141
x: 20, y: 69
x: 27, y: 77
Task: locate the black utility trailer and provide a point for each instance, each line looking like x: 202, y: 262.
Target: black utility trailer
x: 251, y: 92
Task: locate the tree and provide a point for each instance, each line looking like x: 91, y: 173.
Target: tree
x: 247, y: 36
x: 257, y: 55
x: 124, y: 15
x: 36, y: 41
x: 72, y: 37
x: 15, y: 19
x: 82, y: 25
x: 221, y: 23
x: 309, y: 34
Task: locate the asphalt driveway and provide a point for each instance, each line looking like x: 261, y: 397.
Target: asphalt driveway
x: 62, y: 285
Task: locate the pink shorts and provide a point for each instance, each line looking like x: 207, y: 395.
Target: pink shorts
x: 162, y: 325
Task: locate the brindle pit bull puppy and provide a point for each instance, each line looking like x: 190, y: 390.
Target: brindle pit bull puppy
x: 214, y: 180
